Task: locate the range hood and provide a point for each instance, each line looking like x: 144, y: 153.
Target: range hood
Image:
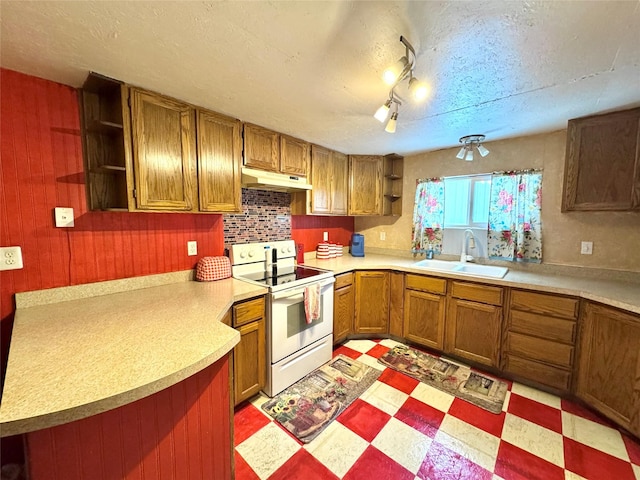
x: 278, y: 182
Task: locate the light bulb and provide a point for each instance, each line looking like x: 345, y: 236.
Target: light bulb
x: 469, y: 156
x: 391, y: 124
x: 418, y: 89
x: 391, y: 74
x: 382, y: 113
x: 462, y: 152
x: 482, y: 151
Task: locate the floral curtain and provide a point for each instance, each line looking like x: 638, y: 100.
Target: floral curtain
x: 514, y: 216
x: 428, y: 216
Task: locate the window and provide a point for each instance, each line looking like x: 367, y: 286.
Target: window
x: 466, y: 201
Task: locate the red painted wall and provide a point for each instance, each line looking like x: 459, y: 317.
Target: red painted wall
x: 181, y: 432
x: 42, y: 168
x: 308, y: 230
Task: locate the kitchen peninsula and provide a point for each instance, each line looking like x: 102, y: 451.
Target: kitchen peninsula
x: 140, y: 375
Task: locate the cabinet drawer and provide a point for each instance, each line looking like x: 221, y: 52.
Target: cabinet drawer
x: 539, y: 349
x: 427, y: 284
x: 551, y: 328
x: 343, y: 280
x: 548, y: 304
x: 248, y: 311
x: 477, y: 293
x: 538, y: 372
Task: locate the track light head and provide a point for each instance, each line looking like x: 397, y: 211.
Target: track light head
x: 468, y: 142
x: 392, y: 74
x: 462, y: 153
x: 469, y: 156
x: 482, y: 151
x: 383, y: 112
x: 391, y: 124
x: 418, y: 89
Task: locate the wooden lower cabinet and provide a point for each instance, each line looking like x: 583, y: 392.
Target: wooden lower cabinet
x: 343, y: 307
x: 372, y: 302
x: 474, y: 322
x: 424, y: 311
x: 249, y: 356
x: 609, y: 366
x: 396, y: 304
x: 539, y: 338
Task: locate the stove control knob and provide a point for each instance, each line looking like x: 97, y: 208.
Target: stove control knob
x: 283, y: 250
x: 289, y: 249
x: 251, y: 253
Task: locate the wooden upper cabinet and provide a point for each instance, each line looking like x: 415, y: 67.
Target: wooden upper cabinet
x: 164, y: 152
x: 261, y: 148
x: 330, y: 180
x: 294, y: 156
x: 339, y: 183
x: 321, y: 180
x: 365, y: 184
x: 219, y: 162
x: 602, y: 166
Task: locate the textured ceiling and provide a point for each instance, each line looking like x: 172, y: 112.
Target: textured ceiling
x: 313, y: 69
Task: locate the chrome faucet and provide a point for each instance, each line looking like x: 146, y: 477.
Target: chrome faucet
x: 472, y: 244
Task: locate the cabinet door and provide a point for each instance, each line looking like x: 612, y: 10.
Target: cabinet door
x: 261, y: 148
x: 473, y: 331
x: 249, y: 359
x: 396, y: 304
x: 343, y: 309
x: 609, y: 366
x: 372, y: 302
x: 164, y: 152
x: 424, y: 318
x: 339, y: 183
x: 294, y: 156
x: 365, y: 185
x: 320, y: 180
x: 602, y: 169
x: 219, y: 159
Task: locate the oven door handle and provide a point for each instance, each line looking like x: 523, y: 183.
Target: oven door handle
x: 300, y: 291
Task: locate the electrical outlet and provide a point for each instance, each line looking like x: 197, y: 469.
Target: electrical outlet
x: 586, y: 248
x: 10, y: 258
x: 383, y: 236
x: 325, y: 236
x: 192, y: 248
x: 63, y: 216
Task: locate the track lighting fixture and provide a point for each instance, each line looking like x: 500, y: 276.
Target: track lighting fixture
x: 395, y: 74
x: 468, y: 142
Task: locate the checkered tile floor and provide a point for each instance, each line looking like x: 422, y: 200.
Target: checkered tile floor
x: 403, y: 429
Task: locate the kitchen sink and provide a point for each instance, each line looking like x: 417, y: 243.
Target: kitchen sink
x: 471, y: 269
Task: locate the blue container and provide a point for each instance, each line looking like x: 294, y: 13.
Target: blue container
x: 357, y: 245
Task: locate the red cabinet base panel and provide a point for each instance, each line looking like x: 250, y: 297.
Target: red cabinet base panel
x: 182, y: 432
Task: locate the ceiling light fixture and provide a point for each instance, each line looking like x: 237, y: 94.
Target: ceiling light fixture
x: 395, y: 74
x: 468, y: 142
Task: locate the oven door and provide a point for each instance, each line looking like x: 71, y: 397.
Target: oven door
x: 288, y: 327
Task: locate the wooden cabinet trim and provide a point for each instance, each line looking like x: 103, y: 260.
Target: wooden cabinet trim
x: 427, y: 284
x: 477, y: 292
x: 248, y: 311
x: 544, y: 303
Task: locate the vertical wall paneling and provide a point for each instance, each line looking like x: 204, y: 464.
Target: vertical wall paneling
x: 308, y: 230
x: 42, y: 168
x: 182, y: 432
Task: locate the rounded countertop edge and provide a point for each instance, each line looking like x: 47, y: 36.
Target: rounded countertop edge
x: 60, y: 417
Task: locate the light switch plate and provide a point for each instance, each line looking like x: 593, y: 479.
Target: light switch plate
x: 10, y: 258
x: 64, y: 217
x: 586, y: 248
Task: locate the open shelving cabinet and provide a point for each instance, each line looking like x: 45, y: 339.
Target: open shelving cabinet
x: 392, y: 188
x: 106, y: 139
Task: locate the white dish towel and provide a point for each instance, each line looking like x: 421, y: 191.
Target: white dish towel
x: 312, y: 302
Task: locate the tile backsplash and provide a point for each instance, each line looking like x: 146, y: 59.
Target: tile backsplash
x: 265, y: 217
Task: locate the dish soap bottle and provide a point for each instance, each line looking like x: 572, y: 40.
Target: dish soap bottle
x: 430, y: 252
